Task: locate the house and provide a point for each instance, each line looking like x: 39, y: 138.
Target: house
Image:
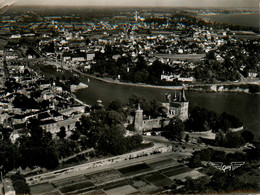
x: 8, y: 187
x: 252, y: 73
x: 90, y: 56
x: 49, y: 125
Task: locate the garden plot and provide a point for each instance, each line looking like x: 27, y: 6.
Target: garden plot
x: 77, y: 186
x: 116, y: 184
x: 163, y: 162
x: 176, y: 170
x: 92, y: 192
x: 134, y: 169
x: 42, y: 188
x: 68, y: 181
x: 157, y: 179
x: 143, y: 186
x: 126, y: 189
x: 103, y: 176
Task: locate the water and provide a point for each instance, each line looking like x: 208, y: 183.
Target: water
x: 245, y: 106
x: 251, y: 20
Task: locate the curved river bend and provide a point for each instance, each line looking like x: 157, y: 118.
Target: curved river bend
x: 245, y: 106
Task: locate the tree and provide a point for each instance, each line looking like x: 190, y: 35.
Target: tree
x: 234, y: 140
x: 112, y: 141
x: 187, y: 138
x: 62, y: 133
x: 116, y: 105
x: 75, y: 135
x: 19, y: 184
x: 174, y: 130
x: 248, y: 136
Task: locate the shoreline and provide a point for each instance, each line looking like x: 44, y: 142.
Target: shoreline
x: 200, y: 87
x: 191, y: 87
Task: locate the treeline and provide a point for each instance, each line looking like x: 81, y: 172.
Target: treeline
x: 218, y: 181
x: 238, y: 58
x: 102, y: 129
x: 201, y: 119
x: 210, y: 155
x: 136, y: 72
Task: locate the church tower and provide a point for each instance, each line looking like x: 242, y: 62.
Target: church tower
x: 138, y: 120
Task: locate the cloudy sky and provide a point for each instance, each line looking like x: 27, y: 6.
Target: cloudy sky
x: 156, y: 3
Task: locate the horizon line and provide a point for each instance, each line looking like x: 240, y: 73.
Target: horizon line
x: 120, y: 6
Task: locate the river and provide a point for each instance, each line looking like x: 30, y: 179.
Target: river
x: 251, y: 20
x: 245, y: 106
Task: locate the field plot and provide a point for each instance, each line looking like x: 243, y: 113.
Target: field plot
x: 176, y: 170
x: 193, y: 174
x: 42, y: 188
x: 115, y: 185
x: 135, y: 169
x: 157, y: 179
x: 127, y: 189
x: 77, y: 186
x: 143, y: 186
x: 164, y: 162
x: 92, y: 192
x: 103, y: 176
x: 68, y: 181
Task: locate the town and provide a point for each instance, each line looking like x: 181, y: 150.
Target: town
x: 53, y: 142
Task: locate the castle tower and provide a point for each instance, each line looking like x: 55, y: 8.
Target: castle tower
x: 184, y: 112
x: 138, y: 120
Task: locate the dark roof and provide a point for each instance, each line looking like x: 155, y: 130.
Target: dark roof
x: 43, y: 115
x: 19, y: 126
x: 47, y: 122
x: 55, y: 113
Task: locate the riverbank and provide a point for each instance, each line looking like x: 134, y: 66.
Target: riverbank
x: 220, y: 87
x: 201, y: 87
x: 74, y: 88
x: 191, y: 87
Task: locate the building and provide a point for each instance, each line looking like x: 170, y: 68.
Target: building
x: 178, y: 107
x: 252, y: 73
x: 8, y: 187
x: 138, y: 120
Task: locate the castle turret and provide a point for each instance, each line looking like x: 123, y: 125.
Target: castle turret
x: 138, y: 121
x: 184, y: 115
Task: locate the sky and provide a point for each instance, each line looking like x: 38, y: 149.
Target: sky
x: 141, y: 3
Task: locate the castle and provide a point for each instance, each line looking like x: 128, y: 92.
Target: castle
x: 177, y: 107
